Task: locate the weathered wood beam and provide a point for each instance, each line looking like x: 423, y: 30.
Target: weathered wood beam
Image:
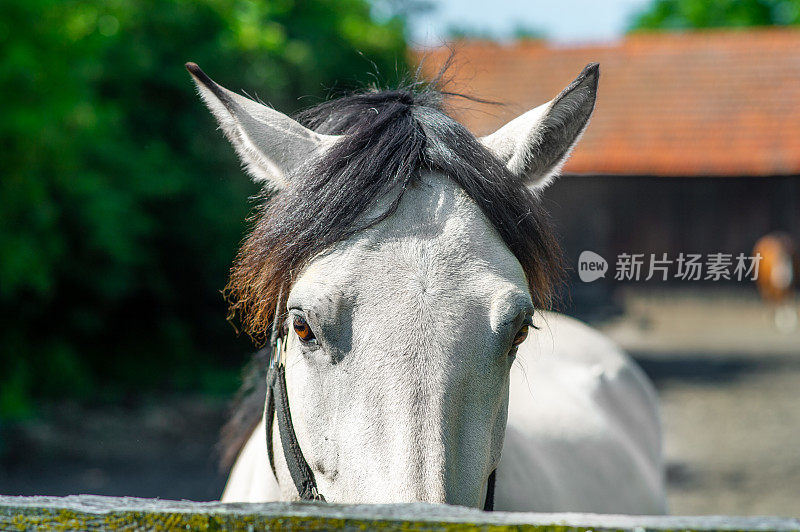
x: 91, y: 512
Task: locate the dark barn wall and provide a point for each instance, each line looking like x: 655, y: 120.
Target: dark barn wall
x: 645, y: 214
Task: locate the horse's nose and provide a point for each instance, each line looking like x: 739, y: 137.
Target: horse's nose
x: 418, y: 473
x: 429, y: 459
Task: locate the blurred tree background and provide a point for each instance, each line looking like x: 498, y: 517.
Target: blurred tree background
x: 121, y: 206
x: 691, y: 14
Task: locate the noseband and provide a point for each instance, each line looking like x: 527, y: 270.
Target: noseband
x: 277, y: 406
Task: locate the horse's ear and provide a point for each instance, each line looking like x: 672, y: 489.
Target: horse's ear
x: 536, y: 144
x: 271, y: 145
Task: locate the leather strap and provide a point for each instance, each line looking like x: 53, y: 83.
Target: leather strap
x: 299, y: 469
x: 488, y: 504
x: 269, y: 417
x: 277, y: 406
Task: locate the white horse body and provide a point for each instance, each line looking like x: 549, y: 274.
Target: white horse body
x: 583, y: 431
x: 583, y: 427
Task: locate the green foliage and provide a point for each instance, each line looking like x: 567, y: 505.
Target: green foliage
x: 527, y: 33
x: 120, y: 204
x: 519, y: 33
x: 689, y: 14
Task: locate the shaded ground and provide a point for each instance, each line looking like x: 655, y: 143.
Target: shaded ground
x: 734, y: 448
x: 730, y: 393
x: 729, y: 386
x: 160, y: 447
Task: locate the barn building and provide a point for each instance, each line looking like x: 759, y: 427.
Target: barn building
x: 694, y: 146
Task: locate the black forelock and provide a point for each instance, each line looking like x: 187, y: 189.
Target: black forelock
x: 388, y: 138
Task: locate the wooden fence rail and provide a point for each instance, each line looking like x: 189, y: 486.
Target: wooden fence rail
x: 91, y: 512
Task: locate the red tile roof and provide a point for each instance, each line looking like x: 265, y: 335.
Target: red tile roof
x: 707, y: 103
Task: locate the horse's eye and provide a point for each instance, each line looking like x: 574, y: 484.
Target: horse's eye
x: 302, y: 329
x: 521, y: 335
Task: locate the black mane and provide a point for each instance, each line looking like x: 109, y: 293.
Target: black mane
x: 389, y: 137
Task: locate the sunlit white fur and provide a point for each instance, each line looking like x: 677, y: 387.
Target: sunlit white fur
x: 582, y: 433
x: 413, y: 392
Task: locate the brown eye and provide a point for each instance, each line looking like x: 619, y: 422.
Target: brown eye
x: 521, y: 335
x: 302, y: 329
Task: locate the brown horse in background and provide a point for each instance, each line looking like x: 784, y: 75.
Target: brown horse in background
x: 777, y: 278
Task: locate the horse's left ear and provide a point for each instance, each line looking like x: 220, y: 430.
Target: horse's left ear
x: 271, y: 145
x: 536, y: 144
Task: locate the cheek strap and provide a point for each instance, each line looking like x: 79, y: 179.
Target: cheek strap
x: 488, y: 504
x: 278, y: 403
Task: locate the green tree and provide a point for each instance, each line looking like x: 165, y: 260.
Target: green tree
x: 688, y: 14
x: 120, y: 204
x: 519, y: 32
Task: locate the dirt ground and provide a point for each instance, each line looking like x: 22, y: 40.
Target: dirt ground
x: 729, y: 385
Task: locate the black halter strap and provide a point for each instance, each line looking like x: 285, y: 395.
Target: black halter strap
x: 277, y: 406
x: 488, y: 504
x: 278, y: 403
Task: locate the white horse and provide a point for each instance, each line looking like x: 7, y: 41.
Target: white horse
x: 417, y: 260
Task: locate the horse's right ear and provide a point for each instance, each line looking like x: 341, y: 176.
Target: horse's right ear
x: 271, y: 145
x: 536, y: 144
